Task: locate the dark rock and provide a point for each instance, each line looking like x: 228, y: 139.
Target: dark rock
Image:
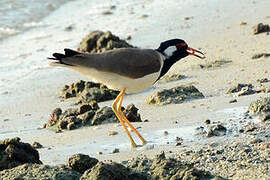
x: 207, y: 121
x: 103, y: 116
x: 84, y: 108
x: 107, y: 13
x: 69, y: 28
x: 79, y: 86
x: 241, y: 130
x: 238, y: 88
x: 260, y: 106
x: 65, y: 120
x: 246, y: 91
x: 14, y: 153
x: 242, y: 89
x: 174, y: 95
x: 163, y: 168
x: 259, y: 55
x: 70, y: 112
x: 242, y: 23
x: 97, y: 94
x: 233, y: 101
x: 165, y: 133
x: 71, y: 126
x: 54, y: 117
x: 88, y: 92
x: 37, y: 145
x: 72, y: 119
x: 178, y: 139
x: 131, y: 113
x: 81, y: 162
x: 113, y: 7
x: 261, y: 28
x: 116, y: 150
x: 40, y: 172
x: 98, y: 41
x: 216, y: 130
x: 266, y: 117
x: 104, y: 171
x: 63, y: 124
x: 87, y: 117
x: 88, y: 114
x: 129, y: 37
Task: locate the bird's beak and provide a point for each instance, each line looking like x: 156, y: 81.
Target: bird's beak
x: 195, y: 52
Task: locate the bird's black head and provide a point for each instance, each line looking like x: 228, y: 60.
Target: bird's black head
x: 176, y: 49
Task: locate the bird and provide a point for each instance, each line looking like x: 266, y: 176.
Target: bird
x: 128, y: 70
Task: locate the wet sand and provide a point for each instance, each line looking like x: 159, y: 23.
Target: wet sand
x: 25, y: 105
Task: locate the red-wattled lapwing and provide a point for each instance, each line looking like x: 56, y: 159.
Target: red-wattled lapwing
x: 128, y: 70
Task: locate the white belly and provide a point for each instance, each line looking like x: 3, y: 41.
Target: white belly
x: 118, y: 82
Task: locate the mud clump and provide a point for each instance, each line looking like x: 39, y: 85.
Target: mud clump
x: 81, y: 162
x: 37, y: 145
x: 114, y: 171
x: 171, y: 77
x: 215, y: 129
x: 39, y: 171
x: 98, y: 42
x: 72, y: 118
x: 14, y: 153
x: 260, y: 106
x: 145, y: 168
x: 88, y: 115
x: 238, y: 88
x: 166, y: 168
x: 88, y: 91
x: 131, y: 113
x: 260, y: 28
x: 174, y: 95
x: 104, y: 115
x: 242, y: 89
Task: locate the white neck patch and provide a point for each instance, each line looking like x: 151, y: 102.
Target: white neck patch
x: 169, y: 51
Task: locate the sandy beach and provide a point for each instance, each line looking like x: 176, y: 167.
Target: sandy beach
x: 29, y: 88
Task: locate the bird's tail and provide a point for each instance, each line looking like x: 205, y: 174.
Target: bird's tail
x: 58, y: 57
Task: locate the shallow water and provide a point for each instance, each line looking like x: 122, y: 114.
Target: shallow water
x: 17, y: 16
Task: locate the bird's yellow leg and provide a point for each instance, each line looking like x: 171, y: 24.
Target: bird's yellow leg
x: 126, y: 120
x: 114, y: 107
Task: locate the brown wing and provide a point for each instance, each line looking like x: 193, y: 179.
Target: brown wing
x: 129, y: 62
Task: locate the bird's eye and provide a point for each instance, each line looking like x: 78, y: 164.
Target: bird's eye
x: 181, y: 45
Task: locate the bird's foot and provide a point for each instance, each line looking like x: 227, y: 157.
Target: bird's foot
x: 134, y: 145
x: 144, y: 142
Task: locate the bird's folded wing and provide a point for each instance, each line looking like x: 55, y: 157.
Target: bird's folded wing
x: 128, y: 62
